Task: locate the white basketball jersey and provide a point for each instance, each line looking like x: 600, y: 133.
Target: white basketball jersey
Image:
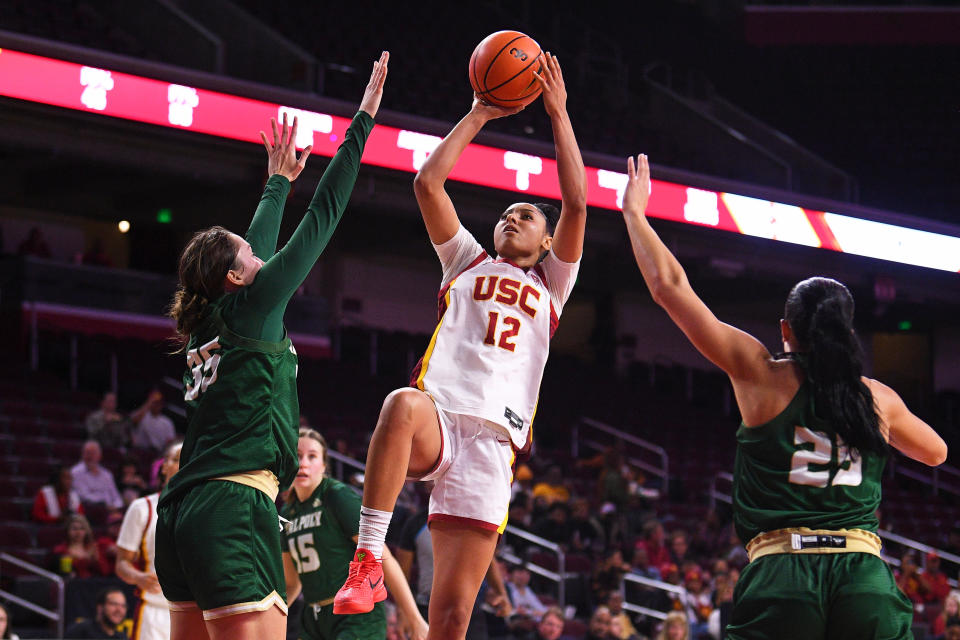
x: 138, y: 533
x: 487, y: 354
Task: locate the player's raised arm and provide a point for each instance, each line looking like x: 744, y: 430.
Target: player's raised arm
x: 437, y: 209
x: 568, y: 237
x: 739, y: 354
x: 907, y: 433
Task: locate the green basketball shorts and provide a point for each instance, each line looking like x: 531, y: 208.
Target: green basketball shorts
x: 218, y: 548
x: 847, y: 596
x: 320, y: 623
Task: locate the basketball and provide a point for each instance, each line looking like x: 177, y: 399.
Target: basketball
x: 502, y: 69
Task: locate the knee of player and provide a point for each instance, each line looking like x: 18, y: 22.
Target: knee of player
x: 452, y: 620
x: 401, y: 407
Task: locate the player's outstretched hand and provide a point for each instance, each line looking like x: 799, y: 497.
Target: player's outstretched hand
x: 148, y: 583
x: 282, y: 152
x: 491, y: 111
x: 554, y: 89
x: 637, y: 192
x: 374, y: 91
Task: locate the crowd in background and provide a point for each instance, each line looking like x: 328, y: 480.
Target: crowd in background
x: 609, y: 518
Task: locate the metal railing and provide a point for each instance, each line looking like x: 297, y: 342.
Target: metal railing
x: 620, y: 438
x: 683, y: 594
x: 559, y: 576
x: 56, y: 616
x: 931, y: 476
x: 338, y: 461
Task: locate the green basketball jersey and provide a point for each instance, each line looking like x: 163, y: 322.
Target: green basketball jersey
x: 794, y: 471
x: 242, y: 408
x: 320, y: 535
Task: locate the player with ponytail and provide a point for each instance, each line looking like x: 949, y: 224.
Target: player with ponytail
x: 810, y: 453
x: 218, y: 542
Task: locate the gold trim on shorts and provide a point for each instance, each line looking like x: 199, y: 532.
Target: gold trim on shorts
x: 247, y: 607
x: 801, y: 540
x: 182, y: 606
x: 261, y: 479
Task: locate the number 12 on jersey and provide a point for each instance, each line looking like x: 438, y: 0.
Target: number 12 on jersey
x: 814, y: 467
x: 511, y: 329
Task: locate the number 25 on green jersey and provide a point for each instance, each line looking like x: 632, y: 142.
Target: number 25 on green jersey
x: 826, y: 463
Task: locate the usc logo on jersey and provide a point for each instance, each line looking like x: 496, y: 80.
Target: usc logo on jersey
x: 506, y: 291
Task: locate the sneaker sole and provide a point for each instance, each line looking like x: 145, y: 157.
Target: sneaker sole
x: 349, y: 608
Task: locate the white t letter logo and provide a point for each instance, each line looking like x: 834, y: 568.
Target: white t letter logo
x: 421, y: 144
x: 97, y: 83
x: 524, y: 165
x: 613, y: 180
x: 307, y: 123
x: 701, y: 206
x: 183, y: 100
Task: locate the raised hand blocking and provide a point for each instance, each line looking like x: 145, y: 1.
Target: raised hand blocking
x: 282, y: 152
x: 374, y: 91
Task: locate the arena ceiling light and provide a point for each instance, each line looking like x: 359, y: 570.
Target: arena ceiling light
x: 121, y: 95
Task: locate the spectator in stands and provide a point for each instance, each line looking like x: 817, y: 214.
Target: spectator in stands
x: 106, y: 425
x: 525, y: 602
x: 614, y: 484
x: 586, y: 532
x: 953, y: 629
x: 131, y: 483
x: 621, y: 626
x: 153, y: 430
x: 936, y: 579
x: 653, y: 543
x: 554, y: 527
x: 550, y: 626
x: 619, y: 632
x: 641, y: 564
x: 552, y: 488
x: 93, y: 483
x: 522, y: 482
x: 107, y: 544
x: 679, y: 547
x: 34, y: 244
x: 913, y: 584
x: 699, y: 601
x: 722, y: 600
x: 79, y: 556
x: 5, y: 632
x: 110, y: 613
x: 57, y: 500
x: 951, y: 611
x: 675, y: 627
x: 608, y: 575
x: 599, y: 626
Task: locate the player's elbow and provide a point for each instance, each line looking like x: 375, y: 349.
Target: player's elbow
x: 938, y: 456
x: 663, y: 289
x: 425, y: 184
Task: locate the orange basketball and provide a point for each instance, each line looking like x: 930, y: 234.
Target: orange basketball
x: 502, y: 66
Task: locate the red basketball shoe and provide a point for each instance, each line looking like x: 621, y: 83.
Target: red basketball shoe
x: 364, y: 585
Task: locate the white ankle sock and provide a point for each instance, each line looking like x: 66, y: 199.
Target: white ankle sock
x: 373, y: 530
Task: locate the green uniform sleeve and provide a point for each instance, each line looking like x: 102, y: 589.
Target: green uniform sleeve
x: 344, y: 506
x: 265, y: 226
x: 260, y: 314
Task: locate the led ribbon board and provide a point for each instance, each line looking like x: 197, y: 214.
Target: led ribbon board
x: 120, y: 95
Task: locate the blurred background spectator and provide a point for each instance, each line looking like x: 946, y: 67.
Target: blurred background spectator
x: 106, y: 619
x: 152, y: 430
x: 57, y: 500
x: 6, y: 630
x: 94, y: 483
x: 78, y: 555
x: 106, y: 425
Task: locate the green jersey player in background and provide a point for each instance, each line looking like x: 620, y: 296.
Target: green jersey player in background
x: 218, y: 540
x: 810, y: 453
x: 321, y: 536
